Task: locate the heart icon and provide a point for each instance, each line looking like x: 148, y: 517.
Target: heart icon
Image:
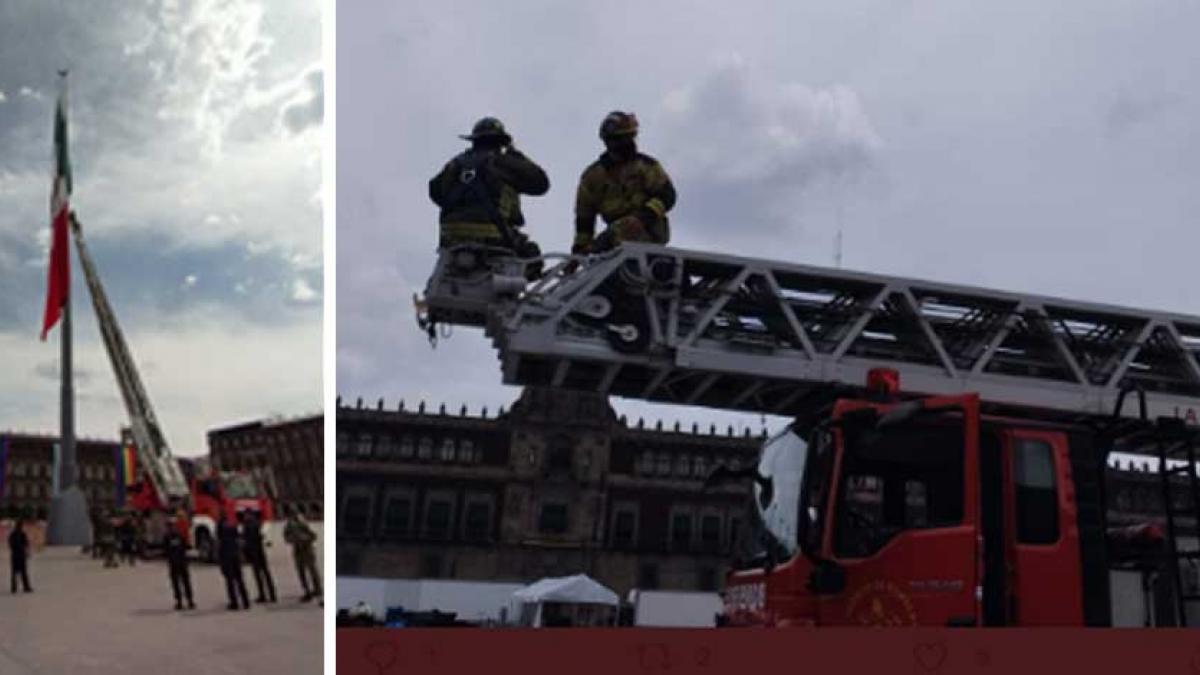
x: 382, y: 655
x: 930, y: 656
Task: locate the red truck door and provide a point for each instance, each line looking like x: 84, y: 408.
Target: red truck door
x: 1041, y: 535
x: 903, y: 520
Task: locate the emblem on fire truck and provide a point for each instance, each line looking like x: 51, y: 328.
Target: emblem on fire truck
x: 881, y: 603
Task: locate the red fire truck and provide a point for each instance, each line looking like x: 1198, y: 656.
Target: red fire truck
x: 212, y: 495
x: 880, y: 511
x: 977, y: 498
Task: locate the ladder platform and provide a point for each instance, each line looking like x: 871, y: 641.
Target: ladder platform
x: 670, y: 325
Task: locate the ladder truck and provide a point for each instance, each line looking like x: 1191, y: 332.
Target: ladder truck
x: 946, y: 460
x: 161, y: 487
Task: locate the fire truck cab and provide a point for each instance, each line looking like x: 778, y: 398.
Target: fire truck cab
x: 930, y: 512
x: 213, y: 495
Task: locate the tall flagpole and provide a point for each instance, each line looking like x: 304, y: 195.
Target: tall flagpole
x: 66, y: 469
x: 69, y: 523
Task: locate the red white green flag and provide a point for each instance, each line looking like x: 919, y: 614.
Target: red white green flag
x: 59, y: 275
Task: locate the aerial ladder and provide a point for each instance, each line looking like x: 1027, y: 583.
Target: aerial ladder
x: 710, y: 329
x: 153, y: 454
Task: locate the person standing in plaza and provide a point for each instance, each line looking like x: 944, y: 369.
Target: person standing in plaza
x: 175, y: 549
x: 126, y: 534
x: 256, y: 555
x: 230, y: 556
x: 303, y: 541
x: 18, y: 549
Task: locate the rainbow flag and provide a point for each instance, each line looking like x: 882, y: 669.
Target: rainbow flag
x: 126, y: 471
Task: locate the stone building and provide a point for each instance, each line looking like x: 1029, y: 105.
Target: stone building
x: 288, y: 455
x: 557, y: 485
x: 27, y: 472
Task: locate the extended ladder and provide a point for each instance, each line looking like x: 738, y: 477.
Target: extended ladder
x: 670, y: 325
x: 154, y: 456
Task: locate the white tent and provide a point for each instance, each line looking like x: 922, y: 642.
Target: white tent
x: 579, y: 589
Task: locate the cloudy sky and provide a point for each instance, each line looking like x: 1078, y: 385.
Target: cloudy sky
x: 196, y: 152
x: 1051, y: 148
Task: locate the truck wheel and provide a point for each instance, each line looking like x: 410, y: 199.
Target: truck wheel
x: 204, y: 547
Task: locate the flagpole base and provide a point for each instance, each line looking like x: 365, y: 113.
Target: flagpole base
x: 70, y: 523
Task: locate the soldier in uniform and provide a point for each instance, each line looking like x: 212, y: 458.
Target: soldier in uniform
x: 175, y: 549
x: 479, y: 192
x: 229, y: 554
x: 256, y: 555
x: 302, y: 539
x: 626, y: 188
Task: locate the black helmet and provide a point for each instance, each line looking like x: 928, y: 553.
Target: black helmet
x: 486, y: 128
x: 618, y: 123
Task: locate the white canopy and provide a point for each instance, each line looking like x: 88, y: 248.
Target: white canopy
x: 578, y: 589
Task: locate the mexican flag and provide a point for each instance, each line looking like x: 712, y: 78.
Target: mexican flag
x: 59, y: 275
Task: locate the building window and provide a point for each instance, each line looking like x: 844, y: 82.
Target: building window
x: 364, y: 445
x: 681, y: 531
x: 710, y: 532
x: 438, y: 514
x: 466, y: 451
x: 478, y: 521
x: 683, y: 466
x: 645, y: 463
x: 553, y: 519
x: 664, y: 464
x: 447, y: 452
x: 407, y: 447
x: 425, y: 448
x: 647, y: 576
x: 700, y: 466
x: 397, y: 516
x: 624, y: 527
x: 356, y: 515
x: 343, y: 445
x: 560, y: 456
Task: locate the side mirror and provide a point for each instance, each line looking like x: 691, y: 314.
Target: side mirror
x: 827, y: 578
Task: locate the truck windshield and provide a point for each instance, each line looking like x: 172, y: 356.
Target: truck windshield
x: 777, y: 492
x: 239, y: 486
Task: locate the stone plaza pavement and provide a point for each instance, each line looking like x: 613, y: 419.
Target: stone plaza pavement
x: 84, y: 619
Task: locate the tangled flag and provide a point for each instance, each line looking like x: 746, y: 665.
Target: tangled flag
x: 59, y: 281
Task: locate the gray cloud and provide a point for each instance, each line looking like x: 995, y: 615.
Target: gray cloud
x: 1127, y: 110
x: 749, y: 150
x: 310, y: 111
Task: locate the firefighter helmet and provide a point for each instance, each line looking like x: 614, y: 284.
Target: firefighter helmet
x: 488, y: 127
x: 618, y: 123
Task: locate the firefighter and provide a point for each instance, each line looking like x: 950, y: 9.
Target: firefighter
x: 175, y: 548
x: 230, y: 556
x: 626, y: 188
x: 18, y: 549
x: 256, y: 555
x: 303, y: 541
x: 479, y: 192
